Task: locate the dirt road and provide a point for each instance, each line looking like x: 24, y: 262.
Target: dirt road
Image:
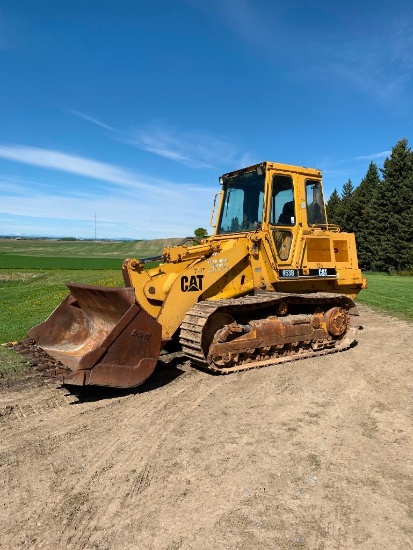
x: 315, y: 454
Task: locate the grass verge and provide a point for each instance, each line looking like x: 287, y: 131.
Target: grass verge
x: 11, y: 364
x: 392, y: 293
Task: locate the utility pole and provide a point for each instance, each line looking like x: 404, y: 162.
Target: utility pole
x: 95, y: 226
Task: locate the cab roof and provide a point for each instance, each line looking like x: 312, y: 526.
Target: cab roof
x: 277, y: 166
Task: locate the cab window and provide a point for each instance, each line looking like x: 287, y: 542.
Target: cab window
x: 282, y: 201
x: 315, y: 203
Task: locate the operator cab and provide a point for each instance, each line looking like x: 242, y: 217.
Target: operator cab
x: 243, y: 201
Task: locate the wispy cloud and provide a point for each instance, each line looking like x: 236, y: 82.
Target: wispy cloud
x: 194, y: 149
x: 139, y: 216
x: 374, y: 156
x: 93, y: 120
x: 375, y: 70
x: 337, y: 172
x: 371, y: 53
x: 14, y: 186
x: 138, y: 206
x: 73, y: 164
x: 143, y: 218
x: 96, y: 170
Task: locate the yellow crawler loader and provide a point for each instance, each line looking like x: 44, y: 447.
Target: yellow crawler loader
x: 275, y: 282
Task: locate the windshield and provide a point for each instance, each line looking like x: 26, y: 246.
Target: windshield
x: 243, y: 203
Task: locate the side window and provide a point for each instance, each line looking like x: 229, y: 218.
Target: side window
x: 282, y: 201
x: 315, y: 203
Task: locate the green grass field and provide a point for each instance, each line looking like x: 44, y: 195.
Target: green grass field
x: 391, y: 293
x: 28, y: 297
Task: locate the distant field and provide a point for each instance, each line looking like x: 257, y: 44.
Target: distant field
x: 83, y: 249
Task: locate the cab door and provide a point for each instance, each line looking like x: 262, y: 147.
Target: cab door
x: 283, y: 218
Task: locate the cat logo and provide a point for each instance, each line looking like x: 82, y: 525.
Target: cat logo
x: 192, y: 283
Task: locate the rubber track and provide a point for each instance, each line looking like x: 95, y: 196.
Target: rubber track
x: 194, y: 321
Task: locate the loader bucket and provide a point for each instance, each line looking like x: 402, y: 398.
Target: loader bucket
x: 102, y: 336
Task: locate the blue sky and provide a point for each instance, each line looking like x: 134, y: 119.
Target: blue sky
x: 130, y: 110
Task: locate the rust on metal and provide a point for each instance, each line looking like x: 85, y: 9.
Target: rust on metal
x: 336, y: 321
x: 221, y: 337
x: 97, y: 335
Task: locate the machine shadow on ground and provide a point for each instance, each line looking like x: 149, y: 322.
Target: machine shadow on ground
x: 167, y: 370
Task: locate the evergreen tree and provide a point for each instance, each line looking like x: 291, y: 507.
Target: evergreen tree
x: 363, y: 211
x: 333, y: 206
x: 235, y: 226
x: 344, y: 211
x: 394, y: 211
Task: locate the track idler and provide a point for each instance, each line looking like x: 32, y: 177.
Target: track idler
x: 100, y: 336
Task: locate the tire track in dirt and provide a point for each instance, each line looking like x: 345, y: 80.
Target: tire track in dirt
x: 157, y: 432
x: 172, y: 405
x: 304, y: 455
x: 359, y: 399
x: 73, y: 425
x: 32, y: 401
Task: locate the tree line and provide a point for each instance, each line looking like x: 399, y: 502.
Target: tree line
x: 380, y: 212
